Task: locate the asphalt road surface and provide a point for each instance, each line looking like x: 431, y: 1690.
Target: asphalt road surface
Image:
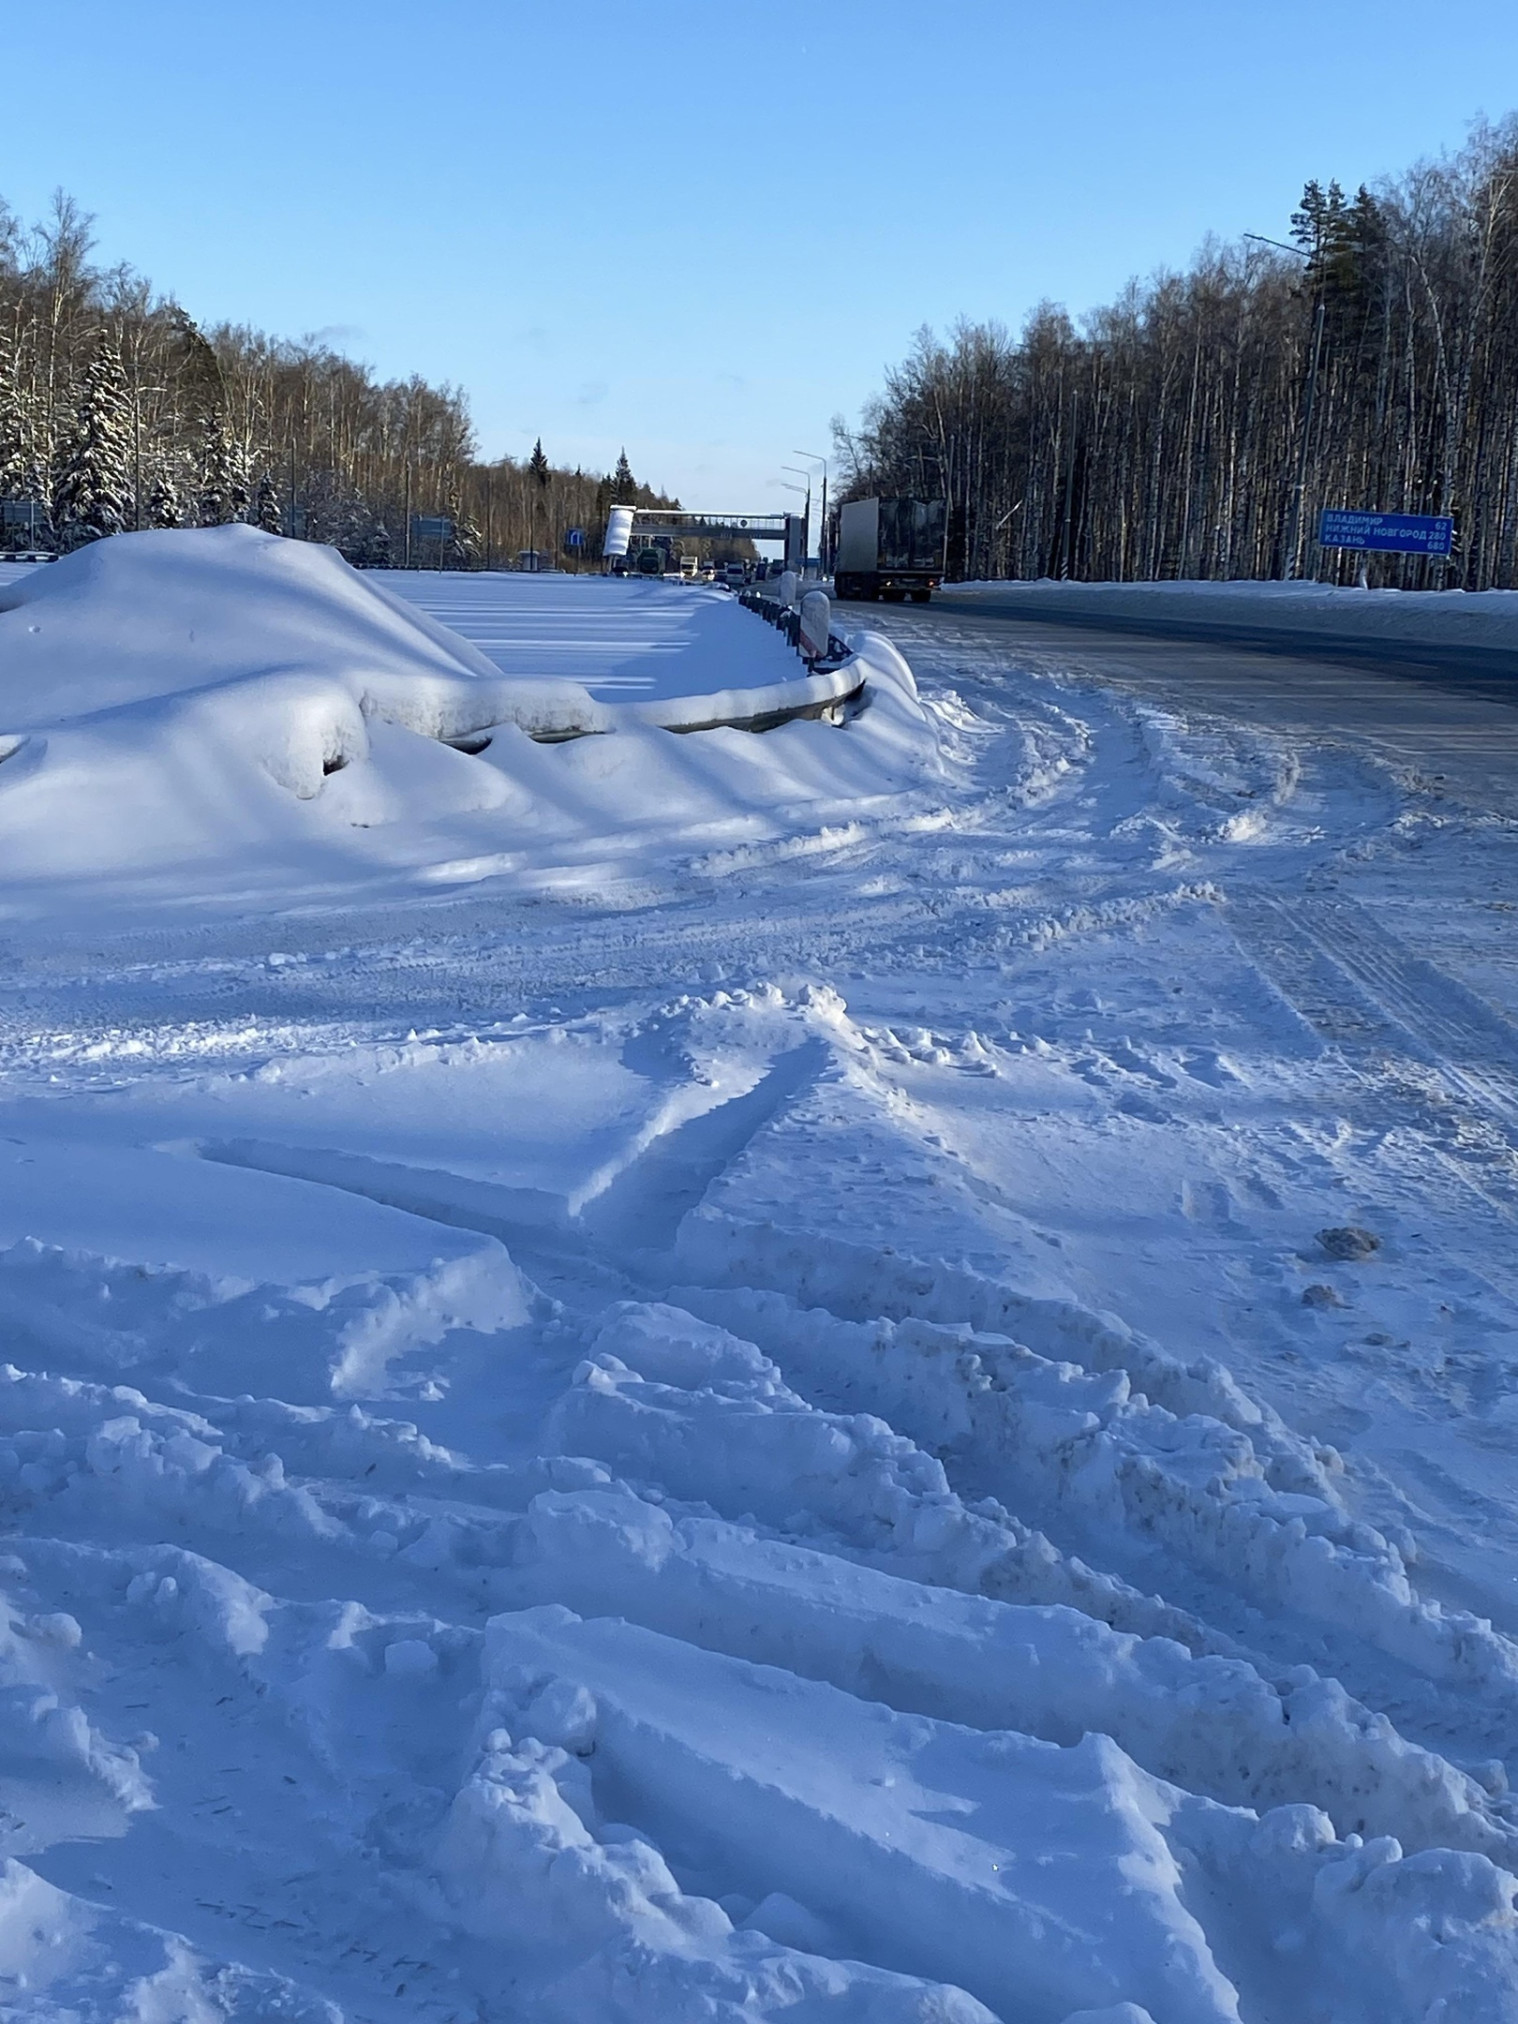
x: 1450, y: 715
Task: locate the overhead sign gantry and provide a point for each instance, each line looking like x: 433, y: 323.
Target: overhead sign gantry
x: 676, y: 521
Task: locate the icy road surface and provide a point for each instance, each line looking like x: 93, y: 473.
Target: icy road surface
x: 912, y: 1420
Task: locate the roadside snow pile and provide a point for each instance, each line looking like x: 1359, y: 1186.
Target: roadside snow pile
x: 1485, y: 619
x: 174, y: 701
x: 147, y: 619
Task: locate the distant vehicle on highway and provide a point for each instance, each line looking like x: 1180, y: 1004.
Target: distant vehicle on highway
x: 891, y: 549
x: 735, y: 575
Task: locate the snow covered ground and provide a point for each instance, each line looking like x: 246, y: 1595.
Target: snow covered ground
x: 875, y: 1383
x: 625, y: 639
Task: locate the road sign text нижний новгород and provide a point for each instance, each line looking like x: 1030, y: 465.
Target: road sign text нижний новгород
x: 1396, y: 533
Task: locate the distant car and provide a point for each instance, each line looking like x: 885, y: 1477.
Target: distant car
x: 735, y: 576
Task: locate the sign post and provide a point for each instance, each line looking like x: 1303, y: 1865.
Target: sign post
x: 1389, y: 533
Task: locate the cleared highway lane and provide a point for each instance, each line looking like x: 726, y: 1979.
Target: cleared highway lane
x: 1448, y: 715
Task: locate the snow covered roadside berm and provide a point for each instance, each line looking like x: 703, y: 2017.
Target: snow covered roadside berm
x: 1482, y: 619
x: 221, y: 708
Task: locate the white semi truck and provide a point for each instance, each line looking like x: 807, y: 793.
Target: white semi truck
x: 890, y: 548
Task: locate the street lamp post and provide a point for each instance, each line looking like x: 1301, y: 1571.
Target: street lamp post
x: 822, y: 533
x: 797, y: 471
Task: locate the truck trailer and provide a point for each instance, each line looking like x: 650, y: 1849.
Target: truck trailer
x: 891, y: 548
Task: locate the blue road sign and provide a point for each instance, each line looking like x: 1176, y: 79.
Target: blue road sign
x: 432, y: 527
x: 1396, y: 533
x: 575, y: 538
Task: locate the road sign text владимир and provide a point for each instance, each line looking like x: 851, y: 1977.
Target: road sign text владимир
x: 1396, y: 533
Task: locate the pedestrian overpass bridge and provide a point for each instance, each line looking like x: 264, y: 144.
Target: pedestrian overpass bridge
x: 625, y: 522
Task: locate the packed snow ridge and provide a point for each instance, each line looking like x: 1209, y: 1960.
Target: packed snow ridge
x: 740, y: 1411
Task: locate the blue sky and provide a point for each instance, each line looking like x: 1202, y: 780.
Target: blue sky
x: 703, y: 237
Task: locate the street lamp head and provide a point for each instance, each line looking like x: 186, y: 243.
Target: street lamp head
x: 1279, y: 244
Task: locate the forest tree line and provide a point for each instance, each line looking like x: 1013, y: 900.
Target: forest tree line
x: 1196, y: 426
x: 118, y: 412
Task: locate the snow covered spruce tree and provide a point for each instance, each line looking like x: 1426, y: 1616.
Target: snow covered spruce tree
x: 624, y: 486
x: 92, y: 496
x: 266, y: 513
x: 164, y: 508
x: 12, y: 429
x: 217, y: 480
x: 21, y: 478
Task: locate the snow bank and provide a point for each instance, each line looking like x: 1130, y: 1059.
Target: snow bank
x: 224, y: 698
x: 145, y: 617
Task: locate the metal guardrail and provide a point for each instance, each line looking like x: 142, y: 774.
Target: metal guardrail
x: 786, y: 619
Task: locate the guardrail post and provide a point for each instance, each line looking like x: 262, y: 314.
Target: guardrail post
x: 816, y: 625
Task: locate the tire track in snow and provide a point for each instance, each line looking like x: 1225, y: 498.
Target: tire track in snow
x: 1400, y: 1024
